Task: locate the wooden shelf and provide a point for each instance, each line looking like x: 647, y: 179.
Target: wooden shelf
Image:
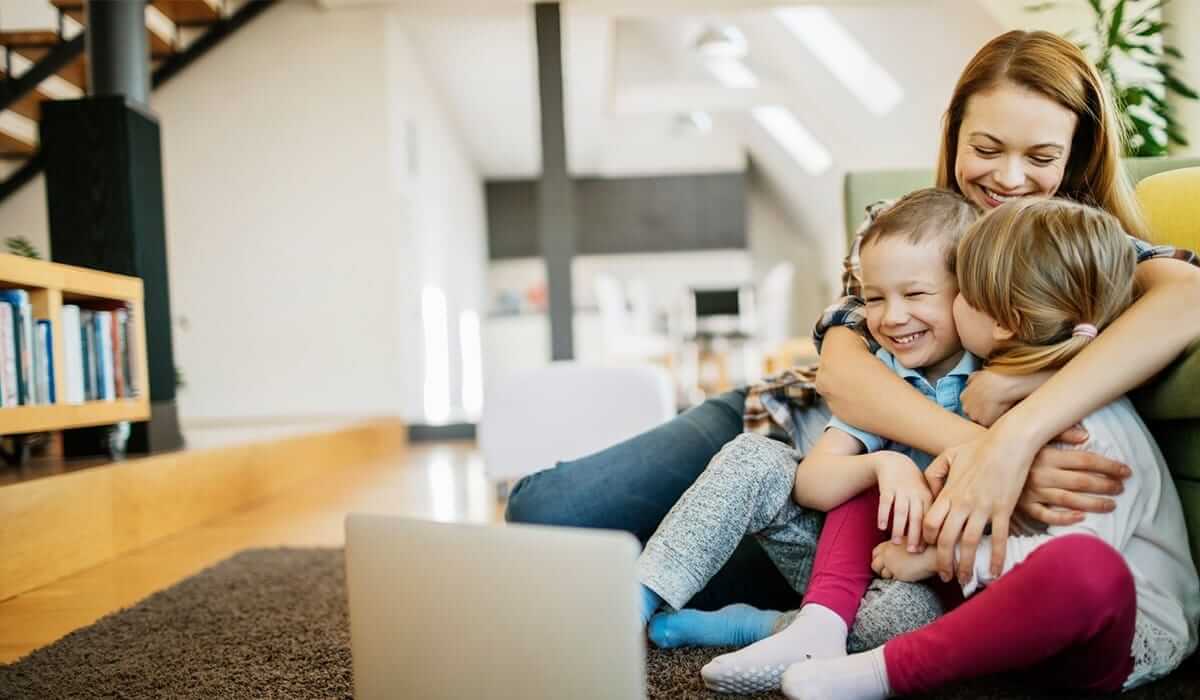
x: 50, y: 285
x: 59, y: 416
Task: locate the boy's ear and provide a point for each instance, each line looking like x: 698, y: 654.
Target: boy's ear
x: 1000, y: 333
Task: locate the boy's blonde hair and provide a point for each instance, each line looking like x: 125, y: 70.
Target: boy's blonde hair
x: 932, y: 212
x: 1041, y: 267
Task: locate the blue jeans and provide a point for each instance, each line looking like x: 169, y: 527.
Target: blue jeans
x: 631, y: 486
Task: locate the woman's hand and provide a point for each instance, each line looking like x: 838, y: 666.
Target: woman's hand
x: 893, y: 561
x: 1063, y: 484
x: 977, y: 483
x: 982, y: 481
x: 904, y: 493
x: 990, y: 394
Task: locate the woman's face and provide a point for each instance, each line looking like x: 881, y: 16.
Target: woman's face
x: 1013, y: 142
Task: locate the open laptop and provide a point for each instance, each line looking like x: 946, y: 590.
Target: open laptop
x: 471, y: 611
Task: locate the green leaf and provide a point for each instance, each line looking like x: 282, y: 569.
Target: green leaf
x: 1114, y: 26
x: 20, y: 245
x: 1153, y: 29
x: 1172, y: 51
x: 1177, y: 86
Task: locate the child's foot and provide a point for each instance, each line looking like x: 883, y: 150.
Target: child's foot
x: 855, y: 677
x: 817, y: 633
x: 650, y: 601
x: 732, y: 625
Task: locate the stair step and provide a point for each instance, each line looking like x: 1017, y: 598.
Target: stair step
x: 28, y: 105
x: 190, y: 13
x: 160, y: 39
x: 13, y: 148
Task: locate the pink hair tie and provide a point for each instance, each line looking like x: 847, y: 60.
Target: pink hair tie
x: 1085, y: 329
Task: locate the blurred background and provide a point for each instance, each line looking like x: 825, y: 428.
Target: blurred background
x: 388, y: 207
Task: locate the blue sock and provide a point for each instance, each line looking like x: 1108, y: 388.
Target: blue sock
x: 733, y: 625
x: 650, y: 603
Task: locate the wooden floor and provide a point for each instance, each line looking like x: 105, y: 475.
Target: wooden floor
x: 442, y: 481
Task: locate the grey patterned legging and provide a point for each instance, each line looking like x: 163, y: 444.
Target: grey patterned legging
x: 747, y: 489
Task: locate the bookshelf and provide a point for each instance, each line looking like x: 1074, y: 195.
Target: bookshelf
x: 50, y: 285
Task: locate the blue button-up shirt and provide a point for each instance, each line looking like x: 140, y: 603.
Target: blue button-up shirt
x: 946, y: 393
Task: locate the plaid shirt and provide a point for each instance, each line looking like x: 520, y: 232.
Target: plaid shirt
x: 770, y: 403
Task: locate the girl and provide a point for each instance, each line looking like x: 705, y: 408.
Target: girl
x: 1105, y: 604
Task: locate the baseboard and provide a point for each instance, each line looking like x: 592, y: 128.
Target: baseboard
x: 58, y: 525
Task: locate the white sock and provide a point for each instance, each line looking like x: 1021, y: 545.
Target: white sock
x: 816, y: 633
x: 855, y: 677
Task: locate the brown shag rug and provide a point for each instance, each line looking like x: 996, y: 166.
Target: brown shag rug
x: 272, y: 623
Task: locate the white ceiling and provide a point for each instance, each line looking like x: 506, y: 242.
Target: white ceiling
x: 630, y: 72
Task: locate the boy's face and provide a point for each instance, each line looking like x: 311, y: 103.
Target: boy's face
x: 909, y: 297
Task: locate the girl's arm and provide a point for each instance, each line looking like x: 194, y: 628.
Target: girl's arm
x: 986, y: 475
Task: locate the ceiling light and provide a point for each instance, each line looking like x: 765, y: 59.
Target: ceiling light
x: 844, y: 56
x: 731, y: 72
x: 725, y: 41
x: 786, y: 129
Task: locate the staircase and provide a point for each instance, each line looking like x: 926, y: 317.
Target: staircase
x: 51, y: 64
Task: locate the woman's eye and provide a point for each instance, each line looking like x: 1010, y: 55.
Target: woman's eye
x: 1043, y: 160
x: 985, y: 152
x: 873, y: 300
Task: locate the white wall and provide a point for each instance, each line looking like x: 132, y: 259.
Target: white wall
x: 313, y: 186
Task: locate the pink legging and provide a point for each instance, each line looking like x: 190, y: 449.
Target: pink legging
x: 1065, y: 615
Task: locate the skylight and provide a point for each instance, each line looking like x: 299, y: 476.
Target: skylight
x: 786, y: 129
x: 843, y: 56
x: 731, y: 72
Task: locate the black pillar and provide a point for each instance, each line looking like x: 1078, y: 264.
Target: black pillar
x: 555, y: 190
x: 117, y: 50
x: 104, y: 194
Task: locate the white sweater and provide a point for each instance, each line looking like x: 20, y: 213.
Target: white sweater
x: 1147, y: 528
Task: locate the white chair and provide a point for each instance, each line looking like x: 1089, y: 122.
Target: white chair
x: 775, y: 305
x: 627, y: 336
x: 534, y: 418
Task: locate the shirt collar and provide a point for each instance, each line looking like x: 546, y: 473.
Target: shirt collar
x: 967, y: 364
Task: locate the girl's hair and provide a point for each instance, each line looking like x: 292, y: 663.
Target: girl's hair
x: 932, y: 212
x: 1054, y: 68
x: 1041, y: 267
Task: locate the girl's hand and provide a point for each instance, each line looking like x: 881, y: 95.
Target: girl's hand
x: 902, y: 492
x: 990, y: 394
x: 893, y: 561
x: 983, y: 480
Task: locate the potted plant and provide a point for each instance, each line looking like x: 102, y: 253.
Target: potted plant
x: 1125, y: 34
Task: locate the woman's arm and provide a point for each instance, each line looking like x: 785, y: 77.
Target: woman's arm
x: 863, y: 392
x: 986, y: 475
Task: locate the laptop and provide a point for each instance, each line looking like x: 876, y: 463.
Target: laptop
x: 442, y: 610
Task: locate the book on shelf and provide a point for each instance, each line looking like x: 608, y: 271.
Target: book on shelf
x: 9, y: 382
x: 98, y: 353
x: 73, y: 372
x: 44, y: 352
x: 22, y: 350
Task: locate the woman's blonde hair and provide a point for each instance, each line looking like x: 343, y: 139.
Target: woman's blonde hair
x: 1041, y: 267
x: 1055, y: 68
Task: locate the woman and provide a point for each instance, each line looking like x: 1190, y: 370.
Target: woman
x: 1029, y: 117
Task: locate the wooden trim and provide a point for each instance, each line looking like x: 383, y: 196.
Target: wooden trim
x: 59, y: 525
